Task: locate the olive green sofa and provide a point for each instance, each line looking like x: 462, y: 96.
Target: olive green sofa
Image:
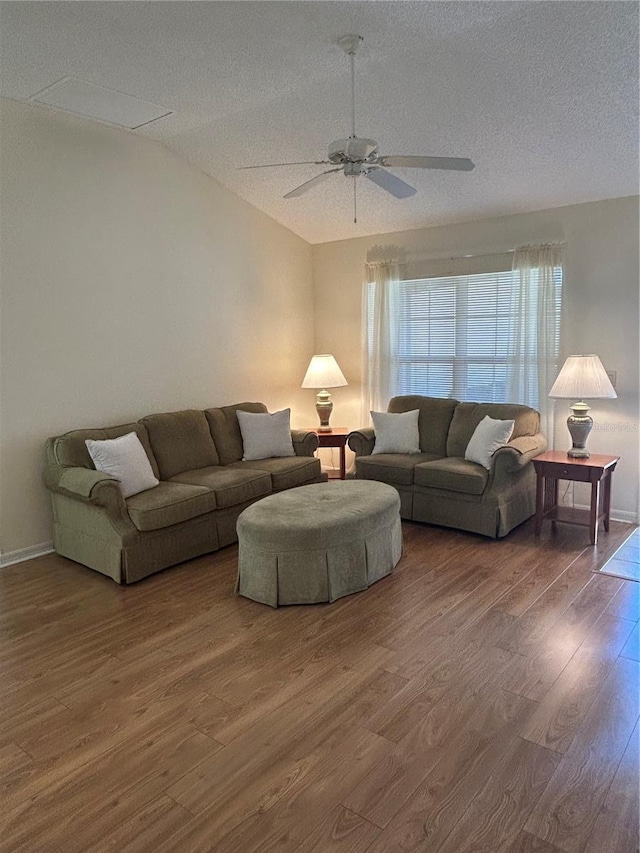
x: 438, y: 485
x: 204, y: 486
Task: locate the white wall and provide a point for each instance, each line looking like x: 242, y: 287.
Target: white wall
x: 600, y: 312
x: 131, y: 283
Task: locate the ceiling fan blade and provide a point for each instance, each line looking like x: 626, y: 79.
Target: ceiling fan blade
x: 456, y: 164
x: 390, y: 183
x: 296, y: 163
x: 302, y: 189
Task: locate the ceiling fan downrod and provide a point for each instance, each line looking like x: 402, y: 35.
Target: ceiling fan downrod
x: 350, y: 45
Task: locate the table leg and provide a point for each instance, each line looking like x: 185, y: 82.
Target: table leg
x: 539, y: 502
x: 343, y: 462
x: 595, y: 504
x: 553, y: 501
x: 606, y: 500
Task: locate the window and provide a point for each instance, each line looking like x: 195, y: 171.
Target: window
x: 455, y: 336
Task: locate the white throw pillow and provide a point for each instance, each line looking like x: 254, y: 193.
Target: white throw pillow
x: 396, y: 433
x: 266, y: 435
x: 125, y: 459
x: 489, y: 435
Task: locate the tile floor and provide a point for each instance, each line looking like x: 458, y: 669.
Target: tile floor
x: 625, y: 563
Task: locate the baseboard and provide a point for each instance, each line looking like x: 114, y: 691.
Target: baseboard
x: 616, y: 514
x: 22, y: 554
x: 626, y: 517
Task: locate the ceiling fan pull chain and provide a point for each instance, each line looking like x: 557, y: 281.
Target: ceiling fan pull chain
x: 355, y: 209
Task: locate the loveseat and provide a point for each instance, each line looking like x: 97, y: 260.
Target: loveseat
x: 438, y: 485
x: 204, y: 486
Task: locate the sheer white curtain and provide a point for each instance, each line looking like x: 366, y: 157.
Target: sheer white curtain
x: 379, y: 336
x: 534, y: 333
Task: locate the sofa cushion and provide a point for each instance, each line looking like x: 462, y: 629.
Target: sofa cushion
x: 265, y: 435
x: 70, y: 449
x: 488, y: 436
x: 286, y: 473
x: 125, y: 459
x: 396, y: 469
x: 453, y: 474
x: 169, y: 503
x: 225, y: 429
x: 433, y: 422
x: 181, y: 441
x: 396, y: 432
x: 467, y: 416
x: 230, y: 486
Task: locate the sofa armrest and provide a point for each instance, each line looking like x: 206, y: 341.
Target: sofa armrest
x: 87, y: 486
x: 84, y: 483
x: 94, y: 488
x: 520, y: 450
x: 75, y: 482
x: 515, y: 456
x: 362, y: 441
x: 305, y: 443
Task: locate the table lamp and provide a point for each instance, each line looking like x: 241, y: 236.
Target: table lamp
x: 581, y: 376
x: 323, y: 372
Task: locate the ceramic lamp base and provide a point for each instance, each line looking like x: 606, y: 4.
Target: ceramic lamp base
x: 579, y: 424
x: 324, y: 407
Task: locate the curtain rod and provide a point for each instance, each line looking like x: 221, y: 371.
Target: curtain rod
x: 478, y: 255
x: 457, y: 257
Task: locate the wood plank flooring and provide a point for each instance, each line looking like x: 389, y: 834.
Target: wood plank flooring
x: 484, y: 697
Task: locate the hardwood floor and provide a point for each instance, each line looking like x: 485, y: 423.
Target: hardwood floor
x: 483, y: 697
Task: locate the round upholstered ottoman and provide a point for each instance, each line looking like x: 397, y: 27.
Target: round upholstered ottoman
x: 318, y: 543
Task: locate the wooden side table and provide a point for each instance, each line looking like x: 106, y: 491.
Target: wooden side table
x: 556, y: 465
x: 336, y: 438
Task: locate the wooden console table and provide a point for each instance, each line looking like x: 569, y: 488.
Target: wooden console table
x: 556, y: 465
x: 337, y: 437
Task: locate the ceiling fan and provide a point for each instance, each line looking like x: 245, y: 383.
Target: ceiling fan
x: 356, y: 157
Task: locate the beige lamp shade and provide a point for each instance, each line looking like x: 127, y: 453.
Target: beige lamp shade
x: 323, y: 372
x: 581, y: 376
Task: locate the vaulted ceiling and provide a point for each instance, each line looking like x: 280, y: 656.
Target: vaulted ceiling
x: 542, y: 96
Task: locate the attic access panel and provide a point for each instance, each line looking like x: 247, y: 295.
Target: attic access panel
x: 97, y: 102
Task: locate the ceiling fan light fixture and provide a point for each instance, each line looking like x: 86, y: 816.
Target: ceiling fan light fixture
x: 353, y: 150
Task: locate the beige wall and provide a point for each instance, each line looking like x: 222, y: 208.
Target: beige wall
x: 600, y: 313
x: 131, y: 283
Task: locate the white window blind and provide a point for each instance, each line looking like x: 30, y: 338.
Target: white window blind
x: 453, y: 335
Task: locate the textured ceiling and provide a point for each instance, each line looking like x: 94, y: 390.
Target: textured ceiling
x: 542, y: 96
